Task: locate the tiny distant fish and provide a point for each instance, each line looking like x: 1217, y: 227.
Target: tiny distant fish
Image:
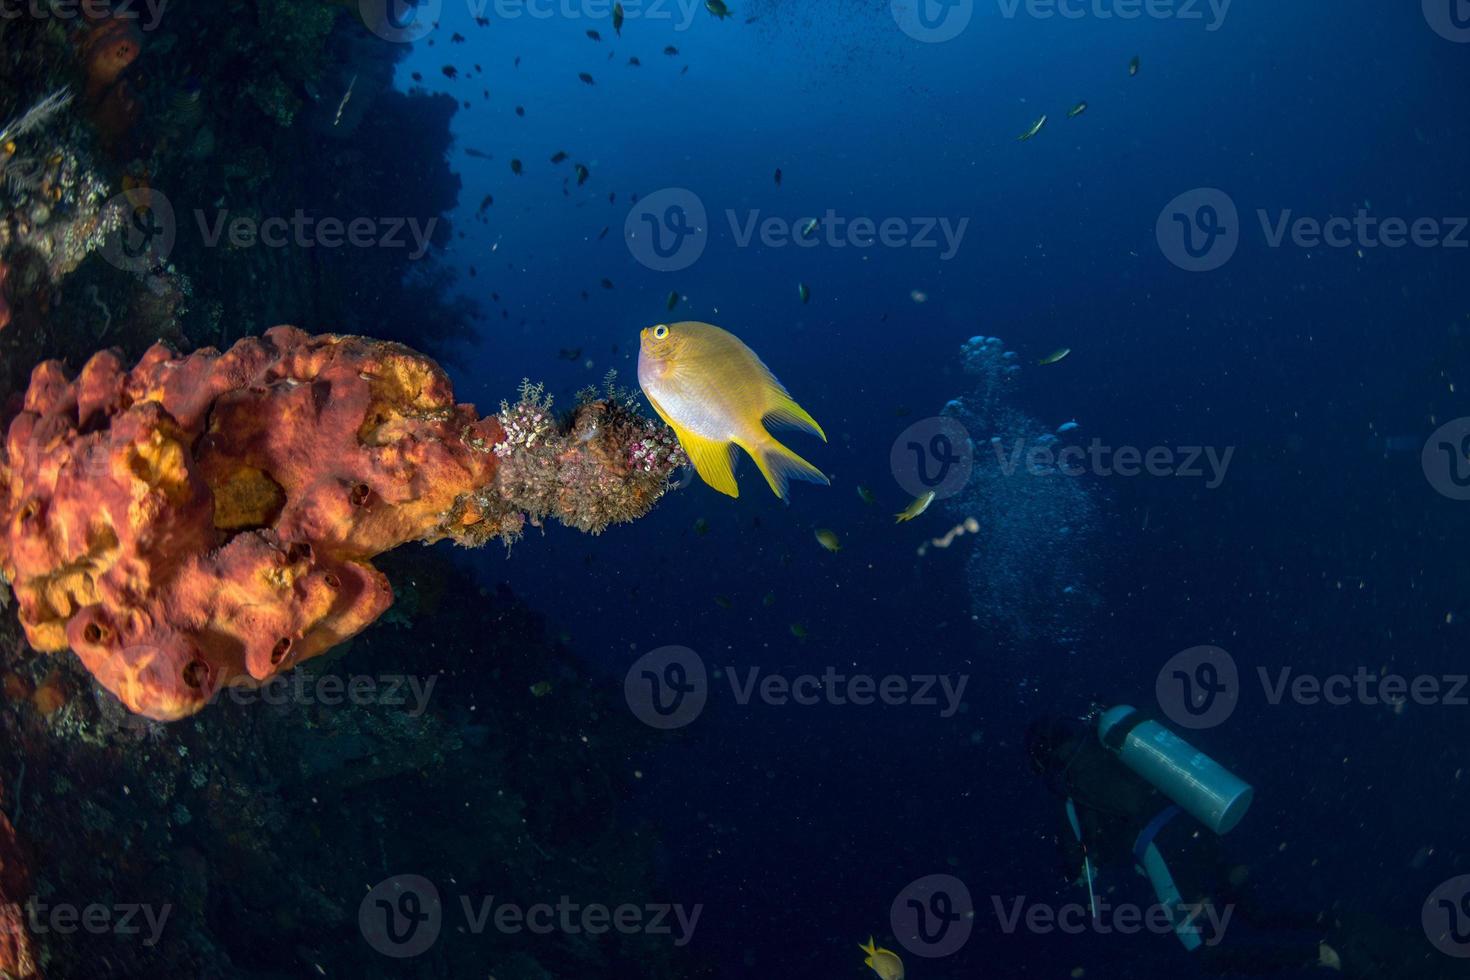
x: 618, y: 20
x: 586, y: 78
x: 673, y: 299
x: 828, y: 539
x: 778, y: 176
x: 540, y: 689
x: 418, y: 76
x: 582, y: 174
x: 1077, y: 110
x: 798, y: 631
x: 483, y: 21
x: 684, y: 70
x: 594, y: 35
x: 634, y: 62
x: 1066, y: 427
x: 1055, y: 356
x: 1133, y: 66
x: 718, y: 8
x: 487, y: 202
x: 520, y: 110
x: 671, y: 51
x: 518, y: 61
x: 810, y: 228
x: 603, y: 233
x: 558, y: 156
x: 701, y: 526
x: 769, y: 599
x: 612, y: 197
x: 865, y: 495
x: 515, y: 167
x: 1030, y: 133
x: 723, y: 601
x: 569, y: 354
x: 915, y: 508
x: 470, y: 151
x: 456, y: 38
x: 607, y: 283
x: 804, y: 291
x: 450, y: 71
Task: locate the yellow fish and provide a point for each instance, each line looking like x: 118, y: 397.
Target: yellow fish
x: 914, y: 509
x: 715, y: 394
x: 828, y: 539
x: 883, y: 962
x: 1055, y: 356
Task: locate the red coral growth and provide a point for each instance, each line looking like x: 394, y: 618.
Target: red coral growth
x: 210, y: 520
x: 4, y: 304
x: 107, y: 49
x: 17, y: 958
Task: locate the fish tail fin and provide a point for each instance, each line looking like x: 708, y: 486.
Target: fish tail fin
x: 869, y: 947
x: 779, y: 465
x: 713, y: 461
x: 785, y: 411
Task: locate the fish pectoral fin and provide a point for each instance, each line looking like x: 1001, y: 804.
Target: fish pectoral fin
x: 785, y: 411
x: 713, y: 461
x: 779, y: 465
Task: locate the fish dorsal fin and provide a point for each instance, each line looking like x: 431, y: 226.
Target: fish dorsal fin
x: 714, y: 461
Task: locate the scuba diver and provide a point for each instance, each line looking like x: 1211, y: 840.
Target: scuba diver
x: 1133, y: 792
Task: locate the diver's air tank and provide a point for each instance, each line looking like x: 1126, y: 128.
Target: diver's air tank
x: 1201, y: 786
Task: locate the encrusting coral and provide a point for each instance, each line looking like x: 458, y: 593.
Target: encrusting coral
x: 206, y: 521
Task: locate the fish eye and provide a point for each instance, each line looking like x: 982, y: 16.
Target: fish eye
x: 660, y: 332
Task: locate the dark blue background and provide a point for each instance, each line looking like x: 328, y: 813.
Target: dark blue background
x: 796, y: 827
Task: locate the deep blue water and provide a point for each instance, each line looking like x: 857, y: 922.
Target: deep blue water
x: 1320, y: 550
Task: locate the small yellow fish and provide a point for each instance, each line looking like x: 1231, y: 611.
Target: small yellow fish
x: 914, y: 509
x: 883, y: 962
x: 769, y: 599
x: 798, y: 631
x: 1077, y: 110
x: 1133, y: 66
x: 1035, y: 128
x: 1055, y: 356
x: 865, y: 494
x: 541, y: 688
x: 723, y: 601
x: 829, y: 540
x: 715, y: 394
